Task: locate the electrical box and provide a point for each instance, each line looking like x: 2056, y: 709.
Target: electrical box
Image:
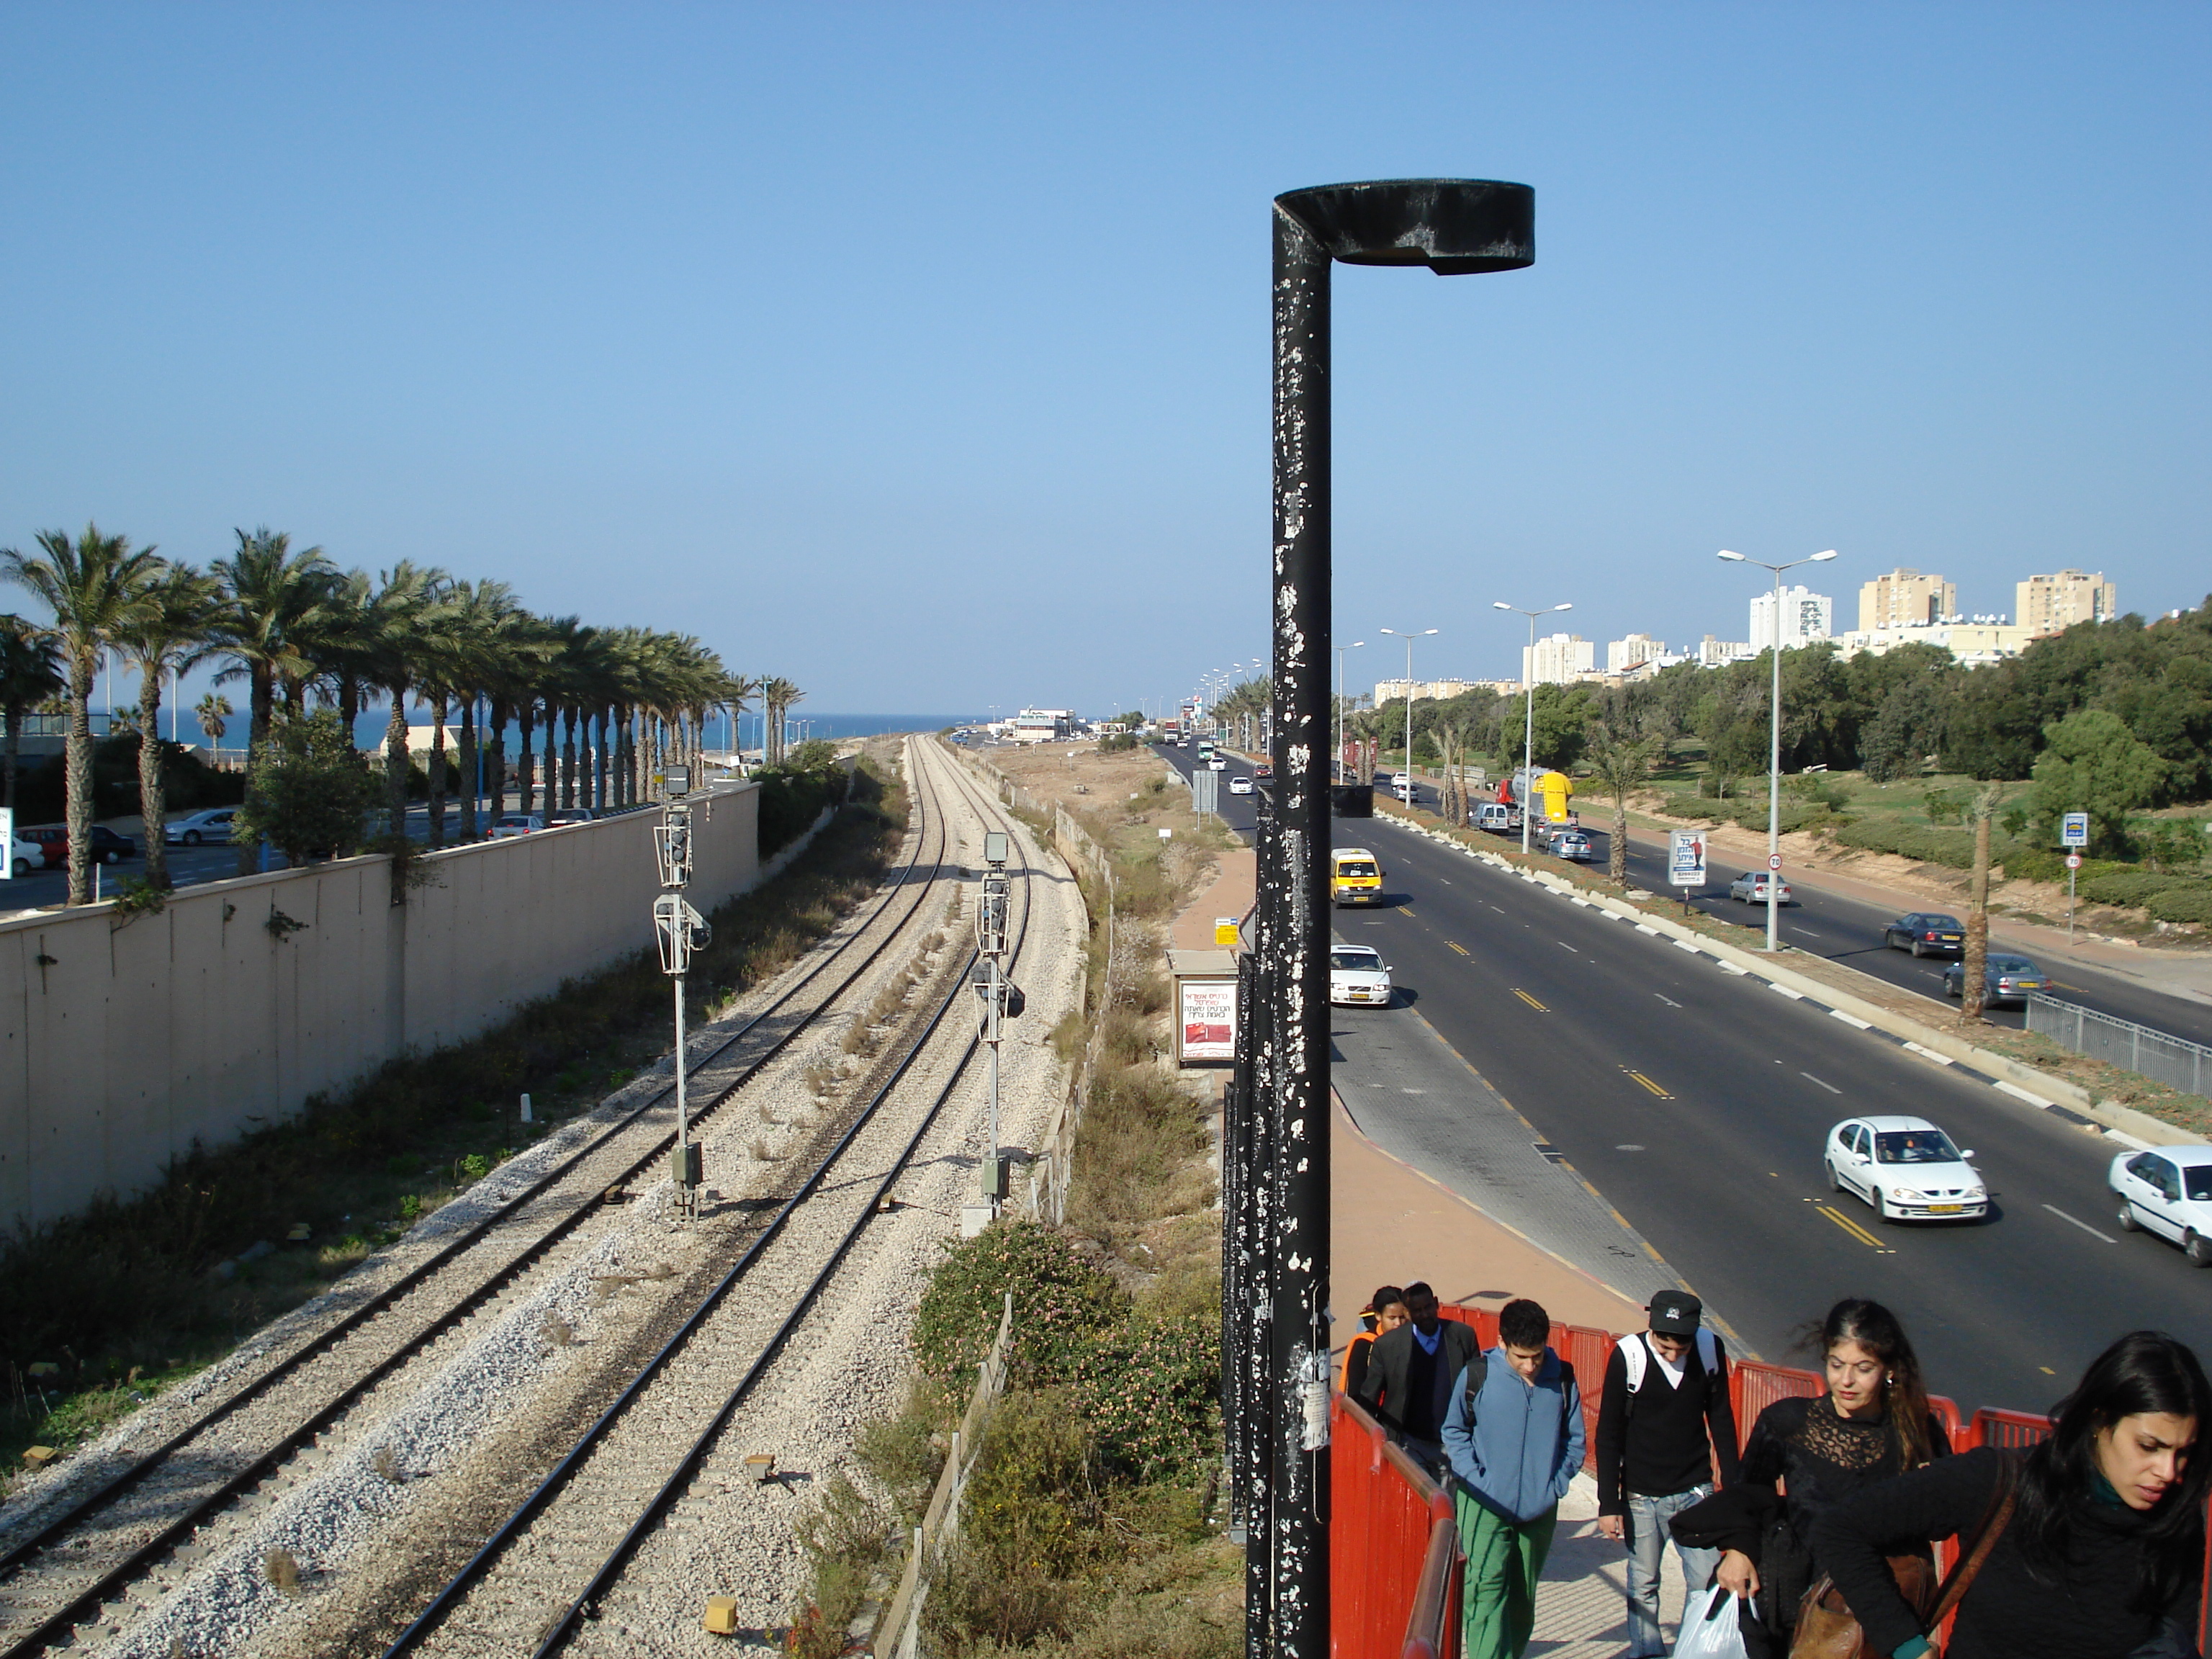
x: 687, y: 1164
x: 994, y: 847
x: 676, y: 782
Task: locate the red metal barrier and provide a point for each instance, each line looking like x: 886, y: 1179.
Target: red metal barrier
x: 1382, y: 1514
x: 1753, y: 1387
x: 1993, y: 1427
x: 1432, y: 1629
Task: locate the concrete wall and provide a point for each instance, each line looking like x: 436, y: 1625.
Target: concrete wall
x: 123, y: 1041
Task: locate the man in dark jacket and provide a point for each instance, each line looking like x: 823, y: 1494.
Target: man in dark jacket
x: 1410, y: 1372
x: 1663, y: 1421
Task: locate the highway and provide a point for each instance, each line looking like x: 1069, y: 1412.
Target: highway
x: 1695, y: 1101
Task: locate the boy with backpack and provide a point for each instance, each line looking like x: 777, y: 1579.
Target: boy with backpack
x: 1514, y: 1436
x: 1663, y: 1421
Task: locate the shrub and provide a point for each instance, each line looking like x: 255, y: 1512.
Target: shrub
x: 2130, y: 886
x: 2183, y: 904
x: 790, y: 800
x: 1061, y: 1301
x: 1954, y: 848
x: 1149, y: 1393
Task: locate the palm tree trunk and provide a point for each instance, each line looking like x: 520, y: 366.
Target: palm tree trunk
x: 349, y: 703
x: 467, y: 788
x: 78, y: 778
x: 601, y: 770
x: 13, y: 746
x: 395, y: 761
x: 151, y: 806
x: 496, y: 763
x: 436, y: 769
x: 261, y: 703
x: 552, y: 766
x: 1616, y: 853
x: 525, y: 771
x: 568, y: 757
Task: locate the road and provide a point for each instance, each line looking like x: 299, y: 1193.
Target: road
x: 1695, y: 1101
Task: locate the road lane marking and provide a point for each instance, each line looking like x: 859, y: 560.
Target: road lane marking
x: 1530, y: 1000
x: 1499, y: 908
x: 1852, y: 1227
x: 1664, y: 997
x: 1564, y: 946
x: 1849, y: 1019
x: 1647, y: 1083
x: 1684, y: 944
x: 1941, y: 1060
x: 1730, y: 967
x: 1784, y: 990
x: 1404, y: 910
x: 1462, y: 949
x: 2083, y: 1225
x: 2019, y: 1093
x: 1830, y: 1087
x: 1808, y: 931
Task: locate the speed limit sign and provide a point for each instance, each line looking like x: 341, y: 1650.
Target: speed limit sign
x: 2073, y: 861
x: 1774, y: 860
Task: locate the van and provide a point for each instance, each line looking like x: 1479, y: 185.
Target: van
x: 1355, y: 877
x: 1497, y: 818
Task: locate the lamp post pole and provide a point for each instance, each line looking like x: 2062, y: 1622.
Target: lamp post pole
x: 1409, y: 638
x: 1528, y: 710
x: 1336, y: 762
x: 1774, y: 745
x: 1276, y: 1248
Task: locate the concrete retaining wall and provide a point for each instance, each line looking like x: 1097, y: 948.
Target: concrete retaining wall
x: 123, y: 1041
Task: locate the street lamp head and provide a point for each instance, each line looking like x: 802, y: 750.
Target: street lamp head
x: 1499, y: 604
x: 1733, y: 558
x: 1822, y: 558
x: 1563, y: 607
x: 1456, y: 227
x: 1425, y: 632
x: 1354, y: 646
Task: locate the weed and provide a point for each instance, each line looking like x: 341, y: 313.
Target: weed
x: 282, y: 1568
x: 410, y: 1206
x: 860, y: 1038
x: 820, y: 1076
x: 558, y: 1332
x: 385, y: 1465
x: 757, y: 1150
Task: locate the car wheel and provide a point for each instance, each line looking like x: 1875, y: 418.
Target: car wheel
x: 22, y: 868
x: 2197, y: 1248
x: 111, y: 857
x: 1881, y: 1205
x: 192, y: 837
x: 1835, y: 1180
x: 2126, y: 1218
x: 1916, y: 950
x: 1955, y: 987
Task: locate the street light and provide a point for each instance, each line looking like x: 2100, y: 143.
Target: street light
x: 1774, y: 747
x: 1336, y: 767
x: 1276, y: 1246
x: 1528, y: 709
x: 1409, y: 639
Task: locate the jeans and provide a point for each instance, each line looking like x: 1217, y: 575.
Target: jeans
x: 1646, y: 1537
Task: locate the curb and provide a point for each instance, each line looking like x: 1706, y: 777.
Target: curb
x: 2070, y: 1101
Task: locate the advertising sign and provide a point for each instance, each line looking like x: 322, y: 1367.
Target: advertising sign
x: 1685, y: 858
x: 2073, y: 830
x: 7, y: 843
x: 1206, y: 1021
x: 1205, y: 793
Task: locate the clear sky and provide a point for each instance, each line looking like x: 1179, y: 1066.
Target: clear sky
x: 919, y: 352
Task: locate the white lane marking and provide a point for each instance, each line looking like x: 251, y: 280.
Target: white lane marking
x: 1849, y: 1019
x: 2083, y: 1225
x: 1808, y: 931
x: 1784, y: 990
x: 1564, y: 946
x: 1684, y: 944
x: 1944, y: 1060
x: 2127, y: 1140
x: 2019, y: 1093
x: 1730, y: 967
x: 1664, y: 997
x: 1830, y: 1087
x: 1641, y: 928
x: 1500, y: 911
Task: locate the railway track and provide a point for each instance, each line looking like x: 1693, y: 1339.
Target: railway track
x: 538, y: 1580
x: 80, y: 1562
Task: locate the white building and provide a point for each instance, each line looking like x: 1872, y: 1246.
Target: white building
x: 1557, y: 659
x: 1621, y: 656
x: 1042, y: 725
x: 1713, y: 653
x: 1421, y: 691
x: 2052, y: 605
x: 1976, y: 644
x: 1805, y: 617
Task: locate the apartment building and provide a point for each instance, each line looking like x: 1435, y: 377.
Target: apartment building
x: 1904, y: 598
x: 1557, y: 659
x: 1621, y: 656
x: 2052, y: 605
x: 1805, y: 617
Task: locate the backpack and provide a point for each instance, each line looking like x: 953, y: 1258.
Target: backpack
x: 1478, y: 1368
x: 1636, y: 1352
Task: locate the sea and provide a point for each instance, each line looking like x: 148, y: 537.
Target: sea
x: 368, y: 727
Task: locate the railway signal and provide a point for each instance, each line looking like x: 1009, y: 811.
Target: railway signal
x: 680, y: 931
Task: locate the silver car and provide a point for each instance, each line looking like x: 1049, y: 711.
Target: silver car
x: 2167, y: 1191
x: 1573, y: 845
x: 1750, y: 888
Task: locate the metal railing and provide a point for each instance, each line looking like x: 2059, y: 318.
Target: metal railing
x: 2175, y: 1062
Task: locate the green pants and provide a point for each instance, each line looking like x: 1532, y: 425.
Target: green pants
x: 1504, y: 1559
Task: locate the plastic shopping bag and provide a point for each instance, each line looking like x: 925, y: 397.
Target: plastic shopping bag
x: 1710, y: 1629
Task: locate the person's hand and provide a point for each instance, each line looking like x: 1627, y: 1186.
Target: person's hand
x: 1737, y: 1575
x: 1609, y: 1526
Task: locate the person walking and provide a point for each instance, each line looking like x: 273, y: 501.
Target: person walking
x: 1664, y: 1424
x: 1384, y: 1312
x: 1513, y: 1433
x: 1410, y: 1372
x: 1872, y: 1425
x: 2102, y: 1553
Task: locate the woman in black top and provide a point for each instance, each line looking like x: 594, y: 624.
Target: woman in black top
x: 2104, y: 1554
x: 1872, y: 1425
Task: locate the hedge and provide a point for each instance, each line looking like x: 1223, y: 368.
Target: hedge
x: 2183, y: 904
x: 1954, y: 848
x: 2131, y: 886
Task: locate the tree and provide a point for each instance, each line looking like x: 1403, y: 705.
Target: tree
x: 30, y: 674
x: 1973, y: 984
x: 311, y: 793
x: 95, y: 586
x: 1908, y: 727
x: 1619, y: 765
x: 169, y: 633
x: 402, y: 616
x: 2092, y: 763
x: 212, y: 712
x: 779, y: 696
x: 275, y: 603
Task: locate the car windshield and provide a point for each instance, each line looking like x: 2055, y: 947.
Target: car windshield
x: 1914, y: 1147
x: 1355, y: 867
x: 1364, y: 962
x: 1940, y: 924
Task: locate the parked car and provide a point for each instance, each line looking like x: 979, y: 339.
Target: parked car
x: 24, y: 854
x: 1357, y: 975
x: 52, y: 845
x: 1906, y: 1168
x: 1750, y: 887
x: 211, y: 827
x: 1926, y: 933
x: 510, y: 824
x: 2168, y: 1191
x: 1240, y: 784
x: 1496, y: 816
x: 108, y: 847
x: 560, y: 816
x: 1573, y: 845
x: 2004, y: 979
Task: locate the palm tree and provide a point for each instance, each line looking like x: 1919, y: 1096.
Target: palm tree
x: 95, y: 586
x: 405, y: 609
x: 779, y: 696
x: 30, y: 673
x: 1617, y: 765
x: 168, y: 636
x: 276, y: 603
x: 212, y: 711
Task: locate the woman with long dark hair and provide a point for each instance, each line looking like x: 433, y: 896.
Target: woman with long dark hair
x: 1871, y: 1425
x: 2104, y: 1553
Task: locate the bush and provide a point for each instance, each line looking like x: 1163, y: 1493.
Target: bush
x: 790, y: 800
x: 1061, y: 1303
x: 1952, y: 847
x: 2183, y: 904
x: 1149, y: 1393
x: 2130, y: 886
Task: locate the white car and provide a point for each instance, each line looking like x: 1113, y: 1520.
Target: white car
x: 510, y: 824
x: 1217, y: 764
x: 211, y: 828
x: 1750, y: 888
x: 1240, y: 784
x: 1906, y: 1168
x: 1357, y: 975
x: 2168, y: 1191
x: 24, y: 856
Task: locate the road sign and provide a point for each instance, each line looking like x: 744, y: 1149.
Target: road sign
x: 1205, y: 793
x: 1685, y: 858
x: 7, y: 843
x: 1774, y: 860
x: 1225, y: 933
x: 2073, y: 830
x: 2073, y: 861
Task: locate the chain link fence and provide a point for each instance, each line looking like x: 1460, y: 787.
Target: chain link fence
x: 2173, y: 1060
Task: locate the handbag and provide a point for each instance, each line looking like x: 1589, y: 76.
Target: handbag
x: 1827, y: 1629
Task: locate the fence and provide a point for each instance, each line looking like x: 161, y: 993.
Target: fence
x: 2173, y: 1060
x: 900, y: 1631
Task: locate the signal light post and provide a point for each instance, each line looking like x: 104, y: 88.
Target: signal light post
x: 680, y: 931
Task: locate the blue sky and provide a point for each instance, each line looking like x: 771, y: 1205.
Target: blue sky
x: 919, y: 352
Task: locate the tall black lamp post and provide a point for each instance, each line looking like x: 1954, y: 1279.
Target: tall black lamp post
x: 1277, y: 1252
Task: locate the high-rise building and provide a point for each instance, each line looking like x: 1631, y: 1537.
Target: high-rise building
x: 1806, y: 616
x: 1906, y: 599
x: 2052, y: 605
x: 1557, y: 659
x: 1714, y: 652
x: 1621, y: 656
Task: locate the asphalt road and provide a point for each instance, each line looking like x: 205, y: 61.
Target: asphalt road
x: 1696, y: 1103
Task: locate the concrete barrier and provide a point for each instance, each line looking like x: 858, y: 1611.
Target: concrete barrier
x: 125, y: 1039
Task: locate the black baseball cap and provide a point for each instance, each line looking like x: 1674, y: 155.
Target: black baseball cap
x: 1675, y: 1313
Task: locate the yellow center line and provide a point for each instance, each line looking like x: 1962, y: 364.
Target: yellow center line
x: 1462, y: 949
x: 1649, y: 1083
x: 1404, y: 910
x: 1852, y: 1227
x: 1530, y: 1000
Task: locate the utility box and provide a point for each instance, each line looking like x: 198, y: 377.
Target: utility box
x: 1204, y: 1006
x: 687, y: 1164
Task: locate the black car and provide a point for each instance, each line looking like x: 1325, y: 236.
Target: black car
x: 1926, y: 933
x: 2004, y: 979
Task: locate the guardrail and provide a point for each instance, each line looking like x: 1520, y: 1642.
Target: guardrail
x: 2175, y: 1062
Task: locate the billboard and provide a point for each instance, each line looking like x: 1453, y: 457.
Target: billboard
x: 1685, y: 858
x: 1205, y: 1021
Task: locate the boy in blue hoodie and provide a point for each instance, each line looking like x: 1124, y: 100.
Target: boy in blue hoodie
x: 1514, y: 1436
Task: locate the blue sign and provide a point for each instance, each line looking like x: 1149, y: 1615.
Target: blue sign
x: 2073, y: 830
